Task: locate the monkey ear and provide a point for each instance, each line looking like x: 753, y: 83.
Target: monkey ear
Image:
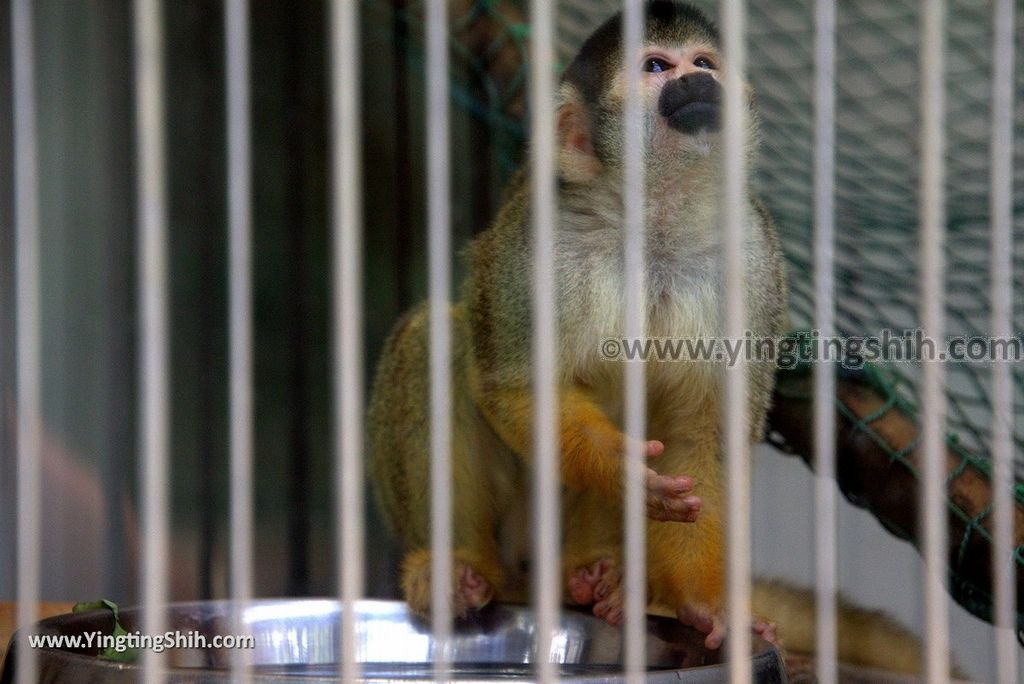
x: 577, y: 161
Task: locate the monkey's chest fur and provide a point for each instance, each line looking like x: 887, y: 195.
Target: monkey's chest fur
x: 684, y: 302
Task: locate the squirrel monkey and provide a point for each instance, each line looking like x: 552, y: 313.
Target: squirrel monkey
x: 680, y: 67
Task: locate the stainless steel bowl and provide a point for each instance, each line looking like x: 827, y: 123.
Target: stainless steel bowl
x: 297, y: 640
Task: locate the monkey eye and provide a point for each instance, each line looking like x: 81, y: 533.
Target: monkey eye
x: 704, y: 63
x: 656, y: 65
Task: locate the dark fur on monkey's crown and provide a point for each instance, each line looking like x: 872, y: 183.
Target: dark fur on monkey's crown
x: 666, y: 22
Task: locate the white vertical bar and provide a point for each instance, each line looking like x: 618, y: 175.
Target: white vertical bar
x: 1004, y: 598
x: 154, y: 437
x: 439, y: 222
x: 933, y: 389
x: 346, y: 189
x: 547, y: 593
x: 634, y: 324
x: 824, y: 376
x: 240, y: 326
x: 26, y: 220
x: 735, y: 215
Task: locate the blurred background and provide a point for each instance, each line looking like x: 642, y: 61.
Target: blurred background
x: 84, y: 53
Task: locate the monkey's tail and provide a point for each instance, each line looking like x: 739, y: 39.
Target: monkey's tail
x: 866, y: 638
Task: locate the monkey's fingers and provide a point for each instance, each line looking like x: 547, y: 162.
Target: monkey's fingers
x: 668, y: 498
x: 668, y: 485
x: 649, y: 448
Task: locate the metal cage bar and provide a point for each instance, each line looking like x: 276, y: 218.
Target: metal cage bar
x: 543, y: 202
x: 347, y: 319
x: 634, y: 326
x: 932, y: 290
x: 28, y: 353
x: 824, y: 316
x: 154, y: 379
x: 1001, y: 199
x: 439, y: 227
x: 240, y: 320
x: 736, y: 444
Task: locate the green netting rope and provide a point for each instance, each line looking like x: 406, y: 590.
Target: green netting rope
x: 976, y: 599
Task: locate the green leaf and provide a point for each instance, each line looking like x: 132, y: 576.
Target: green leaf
x: 119, y: 632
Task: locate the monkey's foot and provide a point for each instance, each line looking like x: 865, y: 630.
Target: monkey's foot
x: 765, y: 628
x: 599, y: 584
x: 470, y: 589
x: 706, y: 620
x: 713, y: 625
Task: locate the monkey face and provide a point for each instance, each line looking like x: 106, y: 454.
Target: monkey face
x: 680, y: 67
x: 683, y: 85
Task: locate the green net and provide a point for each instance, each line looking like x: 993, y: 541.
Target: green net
x: 877, y: 171
x: 969, y: 567
x: 488, y: 68
x: 876, y: 185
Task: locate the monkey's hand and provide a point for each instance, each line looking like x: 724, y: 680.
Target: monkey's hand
x: 668, y: 496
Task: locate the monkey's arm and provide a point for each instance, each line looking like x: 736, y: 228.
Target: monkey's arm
x: 590, y: 446
x: 588, y: 439
x: 869, y: 431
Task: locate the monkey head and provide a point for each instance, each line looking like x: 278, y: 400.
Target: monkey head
x: 680, y: 67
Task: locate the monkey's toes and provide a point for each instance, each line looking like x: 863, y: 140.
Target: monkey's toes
x: 713, y: 625
x: 707, y: 621
x: 610, y: 609
x: 766, y: 629
x: 584, y: 580
x: 472, y: 589
x: 600, y: 584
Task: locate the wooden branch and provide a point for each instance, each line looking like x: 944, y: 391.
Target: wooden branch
x: 871, y: 477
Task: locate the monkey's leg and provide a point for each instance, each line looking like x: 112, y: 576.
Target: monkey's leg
x: 485, y: 478
x: 477, y: 502
x: 685, y: 563
x: 399, y: 420
x: 591, y: 558
x: 477, y: 574
x: 686, y: 573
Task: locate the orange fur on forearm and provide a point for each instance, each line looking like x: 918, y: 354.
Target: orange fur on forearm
x: 590, y: 443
